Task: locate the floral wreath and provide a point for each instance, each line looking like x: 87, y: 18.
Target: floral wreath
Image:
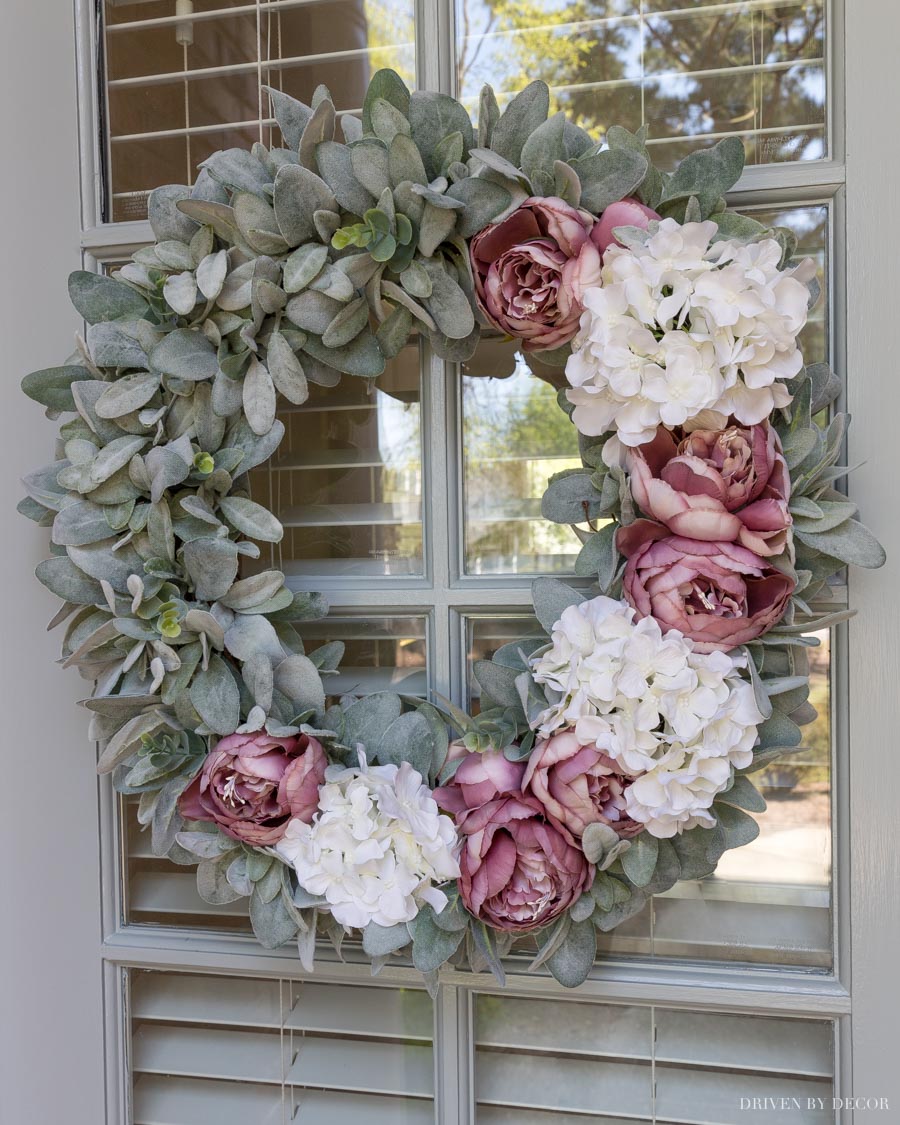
x: 611, y: 757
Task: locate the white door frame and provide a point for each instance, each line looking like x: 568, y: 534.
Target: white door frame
x: 53, y: 953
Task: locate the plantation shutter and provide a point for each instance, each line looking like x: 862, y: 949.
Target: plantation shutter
x: 211, y: 1050
x: 615, y: 1062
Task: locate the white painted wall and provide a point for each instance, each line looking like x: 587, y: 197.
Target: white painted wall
x: 51, y: 1065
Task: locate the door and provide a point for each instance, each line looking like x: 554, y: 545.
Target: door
x: 762, y: 994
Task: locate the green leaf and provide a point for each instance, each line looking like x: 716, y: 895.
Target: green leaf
x: 127, y: 394
x: 52, y: 387
x: 599, y: 556
x: 743, y: 794
x: 740, y: 828
x: 778, y: 730
x: 212, y: 880
x: 336, y: 168
x: 498, y: 682
x: 639, y: 861
x: 368, y: 718
x: 165, y: 218
x: 432, y: 946
x: 393, y: 333
x: 606, y: 177
x: 448, y: 304
x: 408, y: 739
x: 380, y: 941
x: 387, y: 85
x: 185, y: 353
x: 571, y: 498
x: 273, y: 923
x: 708, y: 174
x: 484, y: 202
x: 544, y: 146
x: 299, y: 194
x: 291, y: 116
x: 361, y: 357
x: 298, y: 678
x: 100, y: 298
x: 525, y: 113
x: 432, y: 117
x: 63, y: 578
x: 216, y: 697
x: 551, y: 597
x: 850, y: 541
x: 212, y: 565
x: 573, y: 961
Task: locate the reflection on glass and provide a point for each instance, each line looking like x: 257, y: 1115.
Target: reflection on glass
x: 264, y: 1050
x: 768, y: 902
x: 755, y: 70
x: 381, y: 653
x: 346, y: 481
x: 180, y: 89
x: 646, y: 1063
x: 515, y: 437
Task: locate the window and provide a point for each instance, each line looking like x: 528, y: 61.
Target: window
x: 416, y: 510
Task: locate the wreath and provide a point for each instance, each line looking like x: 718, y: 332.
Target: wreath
x: 611, y: 757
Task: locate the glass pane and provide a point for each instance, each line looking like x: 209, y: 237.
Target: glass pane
x: 514, y: 438
x: 234, y: 1050
x: 531, y: 1068
x: 179, y: 89
x: 768, y: 902
x: 382, y: 653
x: 694, y: 73
x: 346, y: 481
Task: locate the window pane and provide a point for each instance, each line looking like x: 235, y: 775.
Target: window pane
x: 179, y: 89
x: 514, y: 438
x: 768, y: 902
x: 346, y: 481
x: 234, y: 1050
x: 693, y: 72
x: 641, y: 1063
x: 382, y: 653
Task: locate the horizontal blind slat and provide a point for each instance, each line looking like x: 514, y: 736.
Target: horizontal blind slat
x: 189, y: 1101
x: 318, y: 1108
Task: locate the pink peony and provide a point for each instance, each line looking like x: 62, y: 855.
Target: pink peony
x: 626, y: 213
x: 716, y: 485
x: 480, y: 778
x: 578, y: 785
x: 252, y: 784
x: 517, y: 870
x: 532, y: 269
x: 718, y: 594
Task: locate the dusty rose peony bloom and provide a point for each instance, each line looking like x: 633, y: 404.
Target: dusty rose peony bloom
x: 626, y: 213
x: 716, y: 485
x: 252, y: 784
x: 479, y: 779
x: 517, y: 870
x: 532, y: 269
x: 718, y: 594
x: 578, y: 785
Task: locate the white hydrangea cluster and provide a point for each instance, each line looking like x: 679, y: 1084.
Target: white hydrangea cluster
x: 376, y: 848
x: 683, y: 327
x: 674, y: 720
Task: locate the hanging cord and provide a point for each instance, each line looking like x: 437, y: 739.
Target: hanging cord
x: 184, y: 34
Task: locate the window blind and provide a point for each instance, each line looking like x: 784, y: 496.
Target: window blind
x: 217, y: 1050
x: 611, y: 1063
x: 183, y: 82
x: 695, y: 73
